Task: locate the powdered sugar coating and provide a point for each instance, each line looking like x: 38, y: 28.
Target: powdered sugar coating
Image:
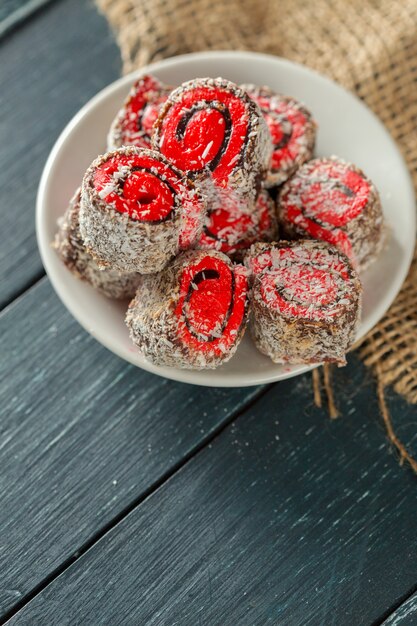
x: 232, y: 227
x: 292, y: 128
x: 333, y: 200
x: 118, y: 239
x: 306, y: 301
x: 248, y: 166
x: 133, y: 123
x: 70, y: 248
x: 156, y: 328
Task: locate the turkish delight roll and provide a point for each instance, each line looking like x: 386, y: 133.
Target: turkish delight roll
x: 71, y: 250
x: 138, y: 210
x: 292, y: 129
x: 334, y: 201
x: 192, y: 314
x: 211, y: 129
x: 133, y: 123
x: 232, y: 229
x: 306, y: 301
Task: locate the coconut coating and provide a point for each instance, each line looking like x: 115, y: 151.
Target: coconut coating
x: 292, y: 128
x: 233, y: 227
x: 71, y: 250
x: 133, y: 123
x: 192, y: 325
x: 306, y: 301
x: 332, y: 200
x: 116, y: 223
x: 213, y: 130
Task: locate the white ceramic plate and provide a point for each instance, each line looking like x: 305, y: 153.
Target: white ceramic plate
x: 347, y: 128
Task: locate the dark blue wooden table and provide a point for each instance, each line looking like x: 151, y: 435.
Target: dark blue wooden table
x: 129, y: 499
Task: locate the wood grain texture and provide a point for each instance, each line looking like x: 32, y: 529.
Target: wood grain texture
x: 83, y: 435
x: 288, y: 518
x: 49, y: 68
x: 14, y: 12
x: 405, y: 615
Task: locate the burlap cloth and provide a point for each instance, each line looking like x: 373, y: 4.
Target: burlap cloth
x: 369, y: 46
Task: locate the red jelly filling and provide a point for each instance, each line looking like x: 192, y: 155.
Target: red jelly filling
x: 141, y: 111
x: 206, y: 128
x: 212, y: 305
x: 148, y: 190
x: 299, y: 287
x: 287, y: 125
x: 232, y: 229
x: 324, y: 200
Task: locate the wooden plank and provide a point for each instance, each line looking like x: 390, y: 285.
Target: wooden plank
x: 49, y: 68
x: 405, y: 615
x: 14, y: 12
x: 83, y: 436
x: 287, y: 518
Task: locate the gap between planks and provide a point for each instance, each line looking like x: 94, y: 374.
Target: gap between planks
x: 39, y: 276
x: 20, y: 15
x: 137, y: 502
x: 395, y: 607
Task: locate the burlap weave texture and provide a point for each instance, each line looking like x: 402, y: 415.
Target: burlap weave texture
x: 369, y: 46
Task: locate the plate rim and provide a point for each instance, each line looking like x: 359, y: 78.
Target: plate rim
x: 177, y: 374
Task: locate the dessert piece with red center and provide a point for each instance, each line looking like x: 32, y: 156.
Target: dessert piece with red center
x: 232, y: 228
x: 211, y: 129
x: 292, y: 128
x: 331, y: 200
x: 133, y: 123
x: 306, y: 301
x: 138, y: 210
x: 192, y: 314
x: 71, y: 250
